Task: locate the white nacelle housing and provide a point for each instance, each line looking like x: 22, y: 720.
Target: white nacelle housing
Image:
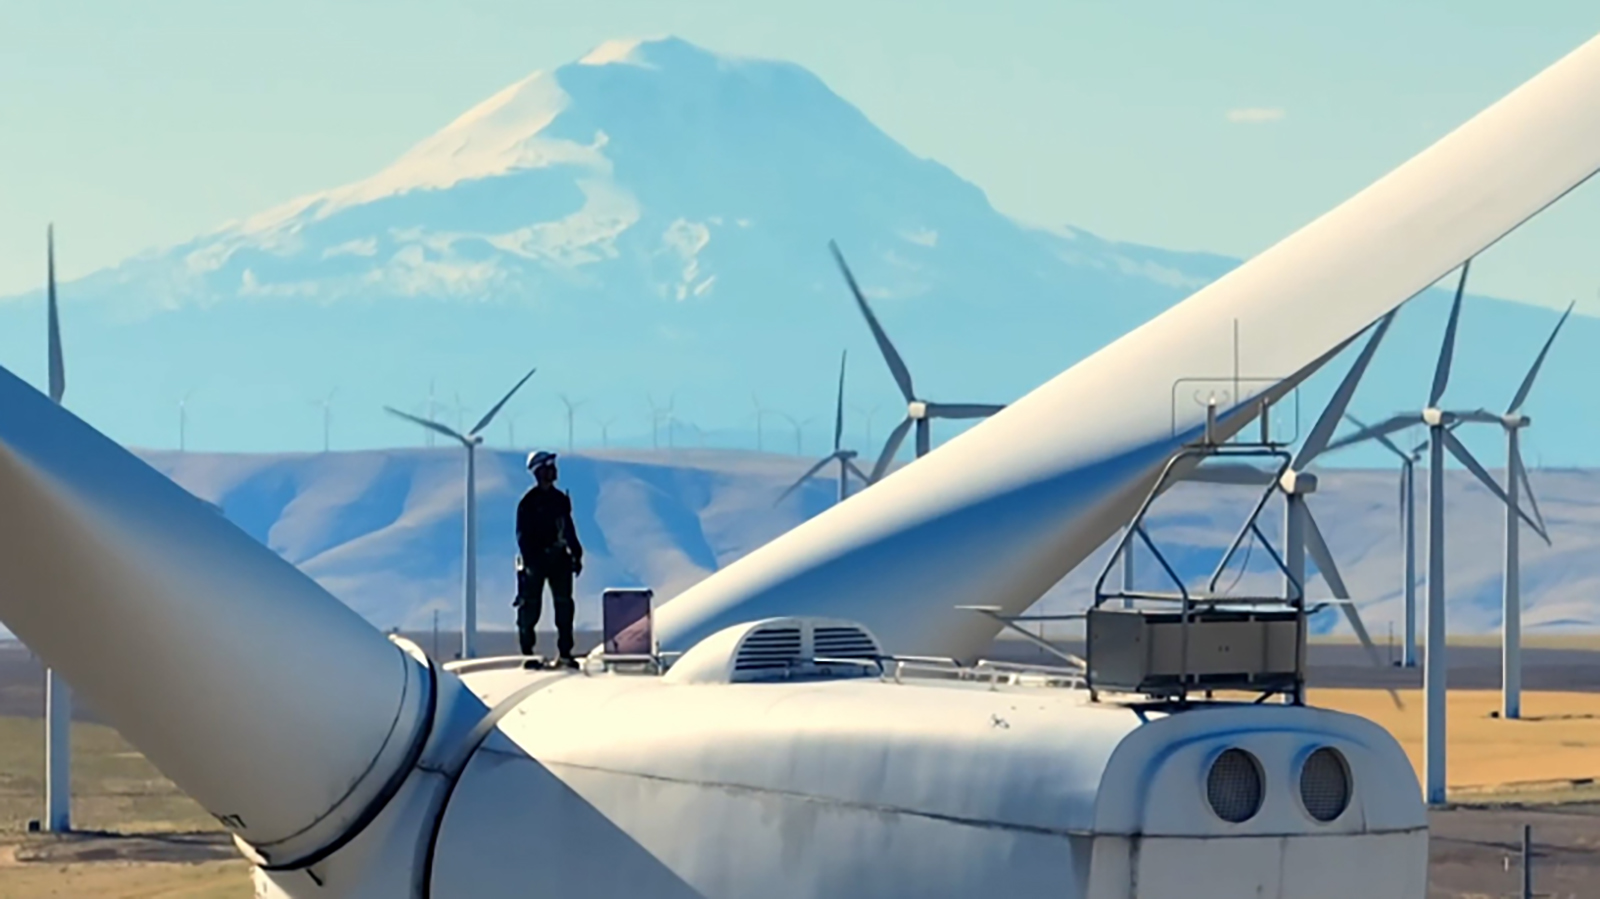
x: 695, y: 784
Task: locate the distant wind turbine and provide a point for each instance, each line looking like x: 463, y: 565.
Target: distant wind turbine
x: 659, y: 414
x: 919, y: 412
x: 327, y: 419
x: 469, y: 568
x: 799, y: 430
x: 868, y: 414
x: 572, y: 409
x: 57, y: 695
x: 1441, y: 440
x: 183, y: 421
x: 761, y: 416
x: 605, y: 429
x: 845, y: 457
x: 430, y: 411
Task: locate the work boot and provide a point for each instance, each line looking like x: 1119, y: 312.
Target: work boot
x: 567, y: 662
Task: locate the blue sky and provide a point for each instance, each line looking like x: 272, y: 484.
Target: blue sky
x: 134, y: 125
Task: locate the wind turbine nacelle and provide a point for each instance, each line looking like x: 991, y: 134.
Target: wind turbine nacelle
x: 917, y: 410
x: 788, y: 758
x: 1298, y: 483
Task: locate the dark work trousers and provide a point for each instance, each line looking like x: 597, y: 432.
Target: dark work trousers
x: 557, y: 571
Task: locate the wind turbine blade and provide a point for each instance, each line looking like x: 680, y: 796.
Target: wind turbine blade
x: 838, y: 416
x: 430, y: 425
x: 890, y: 447
x: 897, y: 366
x: 810, y: 472
x: 58, y: 368
x: 1459, y: 450
x: 962, y: 410
x: 1538, y: 362
x: 854, y: 469
x: 1317, y: 441
x: 1527, y: 490
x: 484, y: 422
x: 1447, y: 351
x: 1243, y: 475
x: 1373, y: 432
x: 1317, y: 546
x: 1383, y: 439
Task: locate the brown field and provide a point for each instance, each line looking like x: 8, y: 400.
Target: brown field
x: 1556, y: 742
x: 149, y: 840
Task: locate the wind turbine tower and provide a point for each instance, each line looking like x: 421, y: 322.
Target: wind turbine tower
x: 183, y: 421
x: 327, y: 419
x: 1408, y: 535
x: 572, y: 410
x: 470, y: 441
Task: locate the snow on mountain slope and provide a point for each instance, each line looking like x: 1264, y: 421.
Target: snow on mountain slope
x: 382, y: 530
x: 653, y: 218
x: 652, y: 212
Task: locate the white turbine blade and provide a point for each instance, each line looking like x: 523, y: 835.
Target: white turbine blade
x: 1317, y: 441
x: 838, y: 415
x: 1240, y: 475
x: 1373, y: 432
x: 1447, y: 350
x: 1317, y: 546
x: 897, y: 366
x: 1459, y: 450
x: 489, y: 417
x: 1383, y: 439
x: 890, y: 447
x: 810, y: 472
x: 173, y: 623
x: 1538, y: 363
x: 962, y: 410
x: 430, y: 425
x: 1024, y: 497
x: 58, y: 366
x: 1527, y: 491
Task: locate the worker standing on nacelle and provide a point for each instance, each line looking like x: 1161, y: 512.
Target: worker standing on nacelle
x: 549, y: 551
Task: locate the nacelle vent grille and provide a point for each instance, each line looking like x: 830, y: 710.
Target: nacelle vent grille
x: 769, y: 648
x: 780, y: 649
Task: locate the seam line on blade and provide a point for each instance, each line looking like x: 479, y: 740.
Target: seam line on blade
x: 391, y: 787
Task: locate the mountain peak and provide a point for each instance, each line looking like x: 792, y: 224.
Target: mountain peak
x: 647, y: 53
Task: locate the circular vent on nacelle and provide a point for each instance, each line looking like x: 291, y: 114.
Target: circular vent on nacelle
x: 1325, y: 784
x: 1234, y: 787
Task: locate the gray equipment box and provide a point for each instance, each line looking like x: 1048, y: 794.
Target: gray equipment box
x: 1142, y: 651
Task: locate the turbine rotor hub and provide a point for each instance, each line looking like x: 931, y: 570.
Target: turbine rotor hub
x: 917, y: 410
x: 1298, y: 483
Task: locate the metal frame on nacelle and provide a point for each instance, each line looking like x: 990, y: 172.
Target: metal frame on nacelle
x: 1198, y: 609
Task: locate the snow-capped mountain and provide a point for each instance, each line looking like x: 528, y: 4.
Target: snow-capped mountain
x: 650, y: 219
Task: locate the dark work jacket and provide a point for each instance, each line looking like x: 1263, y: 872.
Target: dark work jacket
x: 545, y: 532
